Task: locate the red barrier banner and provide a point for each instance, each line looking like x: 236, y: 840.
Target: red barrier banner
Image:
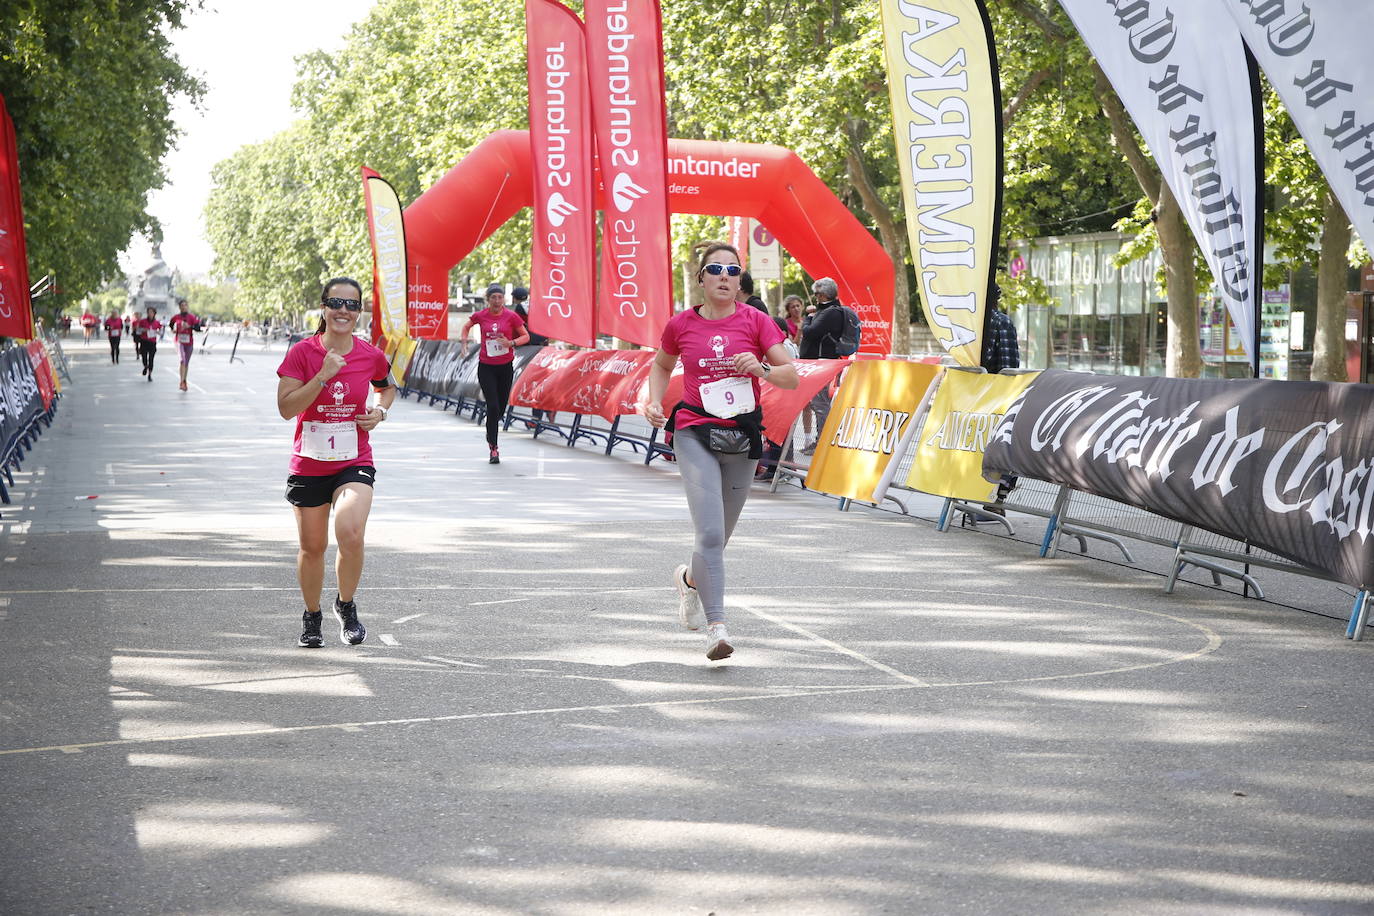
x: 605, y: 383
x: 427, y: 302
x: 625, y: 59
x: 16, y: 316
x: 42, y: 372
x: 563, y: 255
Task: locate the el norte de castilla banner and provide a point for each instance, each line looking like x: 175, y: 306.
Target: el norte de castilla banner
x: 1181, y: 71
x: 947, y: 124
x: 1284, y: 465
x: 1316, y: 55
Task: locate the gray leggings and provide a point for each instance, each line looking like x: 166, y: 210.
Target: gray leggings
x: 717, y: 486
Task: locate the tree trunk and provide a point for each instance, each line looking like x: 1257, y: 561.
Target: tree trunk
x: 891, y: 234
x: 1183, y: 357
x: 1328, y: 345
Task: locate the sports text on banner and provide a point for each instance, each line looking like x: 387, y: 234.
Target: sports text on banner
x: 563, y: 255
x: 946, y: 111
x: 867, y: 418
x: 625, y: 59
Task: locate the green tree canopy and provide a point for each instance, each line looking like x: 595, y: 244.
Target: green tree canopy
x: 90, y: 85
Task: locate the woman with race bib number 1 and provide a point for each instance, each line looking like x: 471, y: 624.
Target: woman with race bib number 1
x: 727, y: 348
x: 325, y: 382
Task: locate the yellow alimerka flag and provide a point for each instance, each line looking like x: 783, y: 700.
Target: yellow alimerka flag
x: 947, y: 124
x: 399, y: 350
x: 866, y: 421
x: 949, y: 448
x: 386, y: 229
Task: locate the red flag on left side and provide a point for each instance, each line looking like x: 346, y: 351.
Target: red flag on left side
x: 16, y: 313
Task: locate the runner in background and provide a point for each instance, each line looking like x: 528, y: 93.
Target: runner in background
x: 716, y: 431
x: 114, y: 330
x: 501, y: 331
x: 325, y: 382
x: 89, y: 324
x: 147, y: 329
x: 183, y: 325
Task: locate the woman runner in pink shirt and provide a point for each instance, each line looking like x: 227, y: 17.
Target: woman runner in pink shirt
x: 502, y: 330
x: 726, y: 348
x: 325, y: 381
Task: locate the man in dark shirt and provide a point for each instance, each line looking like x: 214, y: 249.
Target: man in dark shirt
x: 1000, y: 350
x: 821, y: 331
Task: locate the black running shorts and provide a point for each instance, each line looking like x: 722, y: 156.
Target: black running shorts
x: 307, y: 492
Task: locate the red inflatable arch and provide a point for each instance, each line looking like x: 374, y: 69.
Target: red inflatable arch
x: 767, y: 182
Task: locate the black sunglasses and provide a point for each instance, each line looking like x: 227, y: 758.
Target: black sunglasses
x: 730, y: 270
x: 353, y: 305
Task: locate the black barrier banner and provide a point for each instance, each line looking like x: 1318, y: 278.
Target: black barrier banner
x: 1284, y: 465
x: 20, y: 400
x: 439, y: 367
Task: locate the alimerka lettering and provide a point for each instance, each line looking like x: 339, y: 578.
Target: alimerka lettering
x: 965, y: 431
x: 870, y: 429
x: 942, y: 170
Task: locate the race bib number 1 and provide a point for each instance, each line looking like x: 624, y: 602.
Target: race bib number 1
x: 329, y: 441
x: 728, y: 397
x: 496, y: 347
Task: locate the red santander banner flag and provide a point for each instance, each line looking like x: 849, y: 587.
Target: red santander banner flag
x: 562, y: 301
x: 16, y: 315
x: 625, y: 60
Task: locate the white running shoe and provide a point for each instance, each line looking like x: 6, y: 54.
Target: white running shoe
x: 718, y: 642
x: 689, y: 609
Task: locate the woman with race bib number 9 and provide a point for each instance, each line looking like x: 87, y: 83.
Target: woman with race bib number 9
x: 716, y: 431
x: 325, y: 382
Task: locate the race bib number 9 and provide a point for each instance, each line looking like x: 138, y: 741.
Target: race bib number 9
x: 184, y: 337
x: 329, y: 441
x: 728, y: 397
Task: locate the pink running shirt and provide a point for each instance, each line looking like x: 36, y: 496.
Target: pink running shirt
x: 343, y: 397
x: 707, y: 348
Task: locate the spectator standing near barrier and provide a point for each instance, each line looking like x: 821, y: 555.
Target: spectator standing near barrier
x: 746, y: 286
x: 148, y: 329
x: 500, y: 332
x: 519, y: 296
x: 792, y: 314
x: 716, y: 431
x: 821, y: 332
x: 324, y: 385
x: 1000, y: 351
x: 114, y: 330
x: 184, y: 325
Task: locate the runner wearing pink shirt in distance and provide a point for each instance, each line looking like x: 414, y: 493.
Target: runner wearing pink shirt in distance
x: 183, y: 325
x: 502, y: 330
x: 325, y: 382
x: 716, y: 431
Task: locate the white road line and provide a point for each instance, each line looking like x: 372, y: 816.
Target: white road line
x: 844, y: 650
x: 388, y: 639
x: 451, y: 661
x: 422, y: 720
x: 407, y: 619
x: 502, y: 601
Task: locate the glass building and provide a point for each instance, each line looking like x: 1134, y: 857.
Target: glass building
x: 1100, y: 317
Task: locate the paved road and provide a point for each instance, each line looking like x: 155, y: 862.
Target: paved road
x: 914, y: 722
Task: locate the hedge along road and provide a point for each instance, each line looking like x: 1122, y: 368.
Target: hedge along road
x: 912, y: 722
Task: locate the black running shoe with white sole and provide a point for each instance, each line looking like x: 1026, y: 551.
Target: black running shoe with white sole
x: 311, y: 637
x: 351, y: 629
